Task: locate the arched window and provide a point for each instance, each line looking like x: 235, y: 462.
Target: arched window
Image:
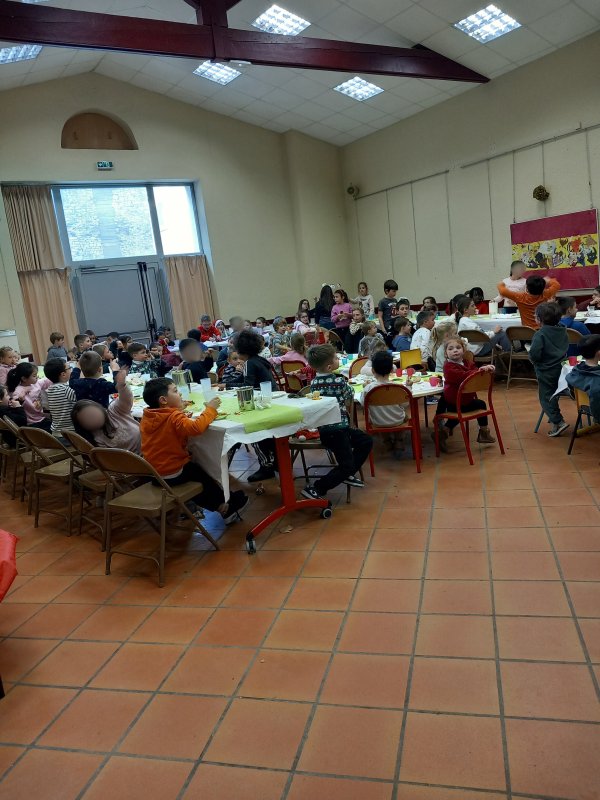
x: 94, y: 131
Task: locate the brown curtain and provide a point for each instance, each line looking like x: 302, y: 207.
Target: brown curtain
x: 47, y: 298
x: 189, y: 288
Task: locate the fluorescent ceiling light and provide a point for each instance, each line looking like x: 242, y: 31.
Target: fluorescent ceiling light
x: 218, y: 73
x: 487, y: 24
x: 278, y: 20
x: 358, y: 89
x: 22, y: 52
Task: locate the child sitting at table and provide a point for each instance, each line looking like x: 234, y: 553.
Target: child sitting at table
x: 465, y: 319
x: 280, y: 339
x: 265, y: 352
x: 83, y: 343
x: 403, y: 337
x: 109, y: 427
x: 350, y: 446
x: 6, y: 363
x: 233, y: 374
x: 516, y: 282
x: 142, y: 362
x: 537, y: 290
x: 354, y: 334
x: 23, y: 385
x: 458, y: 368
x: 104, y: 352
x: 208, y: 330
x: 166, y: 430
x: 196, y: 359
x: 13, y: 410
x: 92, y: 386
x: 59, y: 396
x: 378, y: 346
x: 477, y: 296
x: 586, y: 375
x: 297, y: 353
x: 57, y: 347
x: 593, y: 303
x: 548, y: 350
x: 421, y: 339
x: 370, y: 333
x: 389, y: 415
x: 568, y: 309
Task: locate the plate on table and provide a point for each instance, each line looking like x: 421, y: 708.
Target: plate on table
x: 275, y: 395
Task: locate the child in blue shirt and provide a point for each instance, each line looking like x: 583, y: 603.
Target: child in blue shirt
x: 586, y: 375
x: 568, y: 309
x: 402, y: 340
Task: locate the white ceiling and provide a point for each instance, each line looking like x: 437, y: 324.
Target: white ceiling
x: 280, y: 99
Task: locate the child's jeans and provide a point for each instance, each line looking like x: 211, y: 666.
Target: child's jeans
x: 211, y: 496
x: 474, y: 405
x: 351, y: 449
x: 547, y: 385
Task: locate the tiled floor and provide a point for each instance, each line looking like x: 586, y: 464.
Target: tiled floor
x: 438, y: 639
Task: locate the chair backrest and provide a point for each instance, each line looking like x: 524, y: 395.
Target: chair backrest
x: 335, y: 340
x: 388, y: 394
x: 78, y: 442
x: 410, y: 358
x: 480, y: 381
x: 520, y: 333
x: 573, y: 336
x: 39, y: 440
x: 121, y: 462
x: 292, y: 382
x: 220, y: 371
x: 581, y: 398
x: 305, y: 390
x: 12, y: 427
x: 356, y: 365
x: 279, y: 381
x: 475, y: 337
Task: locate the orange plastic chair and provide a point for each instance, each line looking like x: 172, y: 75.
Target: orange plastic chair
x: 393, y: 395
x: 356, y: 366
x: 292, y: 382
x: 478, y: 382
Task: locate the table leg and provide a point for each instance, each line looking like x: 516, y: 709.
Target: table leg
x: 288, y: 494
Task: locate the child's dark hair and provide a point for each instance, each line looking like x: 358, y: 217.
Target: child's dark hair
x: 362, y: 283
x: 136, y: 347
x: 535, y: 285
x: 513, y: 264
x: 261, y: 319
x: 249, y: 344
x: 343, y: 295
x: 90, y: 364
x: 423, y: 316
x: 454, y: 302
x: 390, y: 285
x: 80, y: 338
x: 89, y: 332
x: 403, y: 301
x: 565, y: 303
x: 154, y: 390
x: 430, y: 297
x: 195, y: 334
x: 185, y: 343
x: 382, y: 363
x: 23, y: 370
x: 108, y: 429
x: 319, y: 356
x: 298, y: 343
x: 55, y: 336
x: 125, y: 340
x: 589, y: 346
x: 113, y: 334
x: 402, y: 322
x: 476, y: 290
x: 548, y: 313
x: 462, y: 304
x: 54, y: 368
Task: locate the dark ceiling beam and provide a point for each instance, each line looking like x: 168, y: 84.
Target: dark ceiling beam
x: 45, y: 25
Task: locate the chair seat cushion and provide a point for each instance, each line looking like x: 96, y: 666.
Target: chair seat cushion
x: 60, y: 470
x: 93, y: 480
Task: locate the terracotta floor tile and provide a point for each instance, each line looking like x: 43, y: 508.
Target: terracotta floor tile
x: 72, y: 663
x: 585, y: 597
x: 237, y: 626
x: 199, y: 592
x: 508, y: 483
x: 591, y: 633
x: 305, y: 630
x: 538, y: 639
x: 333, y: 564
x: 259, y: 592
x: 285, y: 675
x: 92, y: 589
x: 395, y: 540
x: 95, y: 720
x: 209, y: 670
x: 366, y: 632
x: 453, y: 750
x: 517, y: 540
x: 185, y: 724
x: 553, y: 758
x: 138, y: 666
x: 111, y: 623
x: 537, y: 598
x: 573, y: 497
x: 259, y: 733
x: 171, y: 625
x: 34, y: 563
x: 143, y: 592
x: 393, y: 565
x: 308, y: 787
x: 8, y: 757
x: 303, y: 539
x: 125, y: 778
x: 27, y: 710
x: 460, y: 540
x: 458, y: 566
x: 352, y: 741
x: 406, y: 792
x: 20, y: 656
x: 512, y: 499
x: 225, y: 563
x: 55, y: 621
x: 580, y: 566
x: 457, y: 597
x: 452, y: 684
x: 527, y: 517
x: 351, y: 680
x: 14, y: 615
x: 465, y: 636
x: 406, y: 518
x: 387, y: 595
x: 459, y: 498
x: 458, y: 518
x: 571, y: 516
x: 275, y: 564
x: 326, y: 594
x: 553, y: 466
x: 566, y: 539
x: 344, y: 540
x: 212, y: 782
x: 554, y: 691
x: 50, y: 774
x: 524, y: 566
x: 75, y: 562
x: 41, y: 589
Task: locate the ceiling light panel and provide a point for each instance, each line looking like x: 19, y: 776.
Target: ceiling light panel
x: 22, y: 52
x: 358, y: 89
x: 218, y: 73
x: 278, y: 20
x: 487, y: 24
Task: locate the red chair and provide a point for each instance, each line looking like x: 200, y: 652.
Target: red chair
x: 392, y: 394
x: 477, y: 382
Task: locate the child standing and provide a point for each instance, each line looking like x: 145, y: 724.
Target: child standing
x: 586, y: 375
x: 548, y: 350
x: 516, y: 283
x: 341, y: 314
x: 280, y: 339
x: 60, y: 398
x: 23, y: 385
x: 57, y: 347
x: 350, y: 446
x: 388, y: 306
x: 402, y: 340
x: 568, y: 309
x: 365, y: 300
x: 354, y: 334
x: 537, y: 290
x: 165, y: 430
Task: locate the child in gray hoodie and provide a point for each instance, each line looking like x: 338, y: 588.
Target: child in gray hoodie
x: 586, y: 375
x: 548, y: 350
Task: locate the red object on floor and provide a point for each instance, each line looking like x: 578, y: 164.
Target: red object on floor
x: 8, y: 564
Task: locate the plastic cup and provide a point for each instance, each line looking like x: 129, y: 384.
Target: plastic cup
x: 206, y: 386
x: 434, y: 380
x: 344, y: 361
x: 266, y: 390
x: 398, y: 373
x: 410, y: 372
x: 573, y: 361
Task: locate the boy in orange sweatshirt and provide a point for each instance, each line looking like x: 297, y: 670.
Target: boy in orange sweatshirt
x: 165, y: 429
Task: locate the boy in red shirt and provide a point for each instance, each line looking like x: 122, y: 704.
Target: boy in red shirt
x: 208, y: 331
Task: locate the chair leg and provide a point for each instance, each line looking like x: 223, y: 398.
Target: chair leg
x: 37, y: 502
x: 372, y: 464
x: 163, y: 546
x: 108, y: 542
x: 348, y: 494
x: 426, y: 412
x: 13, y: 492
x: 30, y: 485
x: 304, y: 466
x: 416, y: 448
x: 465, y: 434
x: 70, y: 506
x: 539, y: 422
x: 436, y: 428
x: 81, y: 495
x: 574, y: 433
x: 497, y: 429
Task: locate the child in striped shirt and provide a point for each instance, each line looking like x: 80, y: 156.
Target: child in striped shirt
x: 59, y: 397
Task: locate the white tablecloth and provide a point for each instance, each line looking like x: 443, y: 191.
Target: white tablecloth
x: 488, y: 323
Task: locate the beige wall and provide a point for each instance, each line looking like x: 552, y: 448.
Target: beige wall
x: 447, y: 233
x: 253, y: 184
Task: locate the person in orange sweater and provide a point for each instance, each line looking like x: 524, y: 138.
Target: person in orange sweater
x: 165, y: 430
x: 537, y: 290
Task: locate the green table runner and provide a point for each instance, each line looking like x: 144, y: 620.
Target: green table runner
x: 259, y: 419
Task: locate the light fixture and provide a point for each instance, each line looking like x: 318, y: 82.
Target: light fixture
x: 487, y: 24
x: 22, y: 52
x: 218, y: 73
x: 358, y: 89
x: 278, y: 20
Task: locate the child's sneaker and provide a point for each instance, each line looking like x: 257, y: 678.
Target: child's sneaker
x: 311, y: 493
x: 237, y: 503
x: 556, y: 430
x: 354, y: 481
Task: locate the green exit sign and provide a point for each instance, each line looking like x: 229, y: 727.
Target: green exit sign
x: 104, y: 164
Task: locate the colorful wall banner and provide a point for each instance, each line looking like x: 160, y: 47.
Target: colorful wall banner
x: 564, y: 247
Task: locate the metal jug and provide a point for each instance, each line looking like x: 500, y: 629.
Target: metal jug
x: 245, y: 396
x: 182, y: 378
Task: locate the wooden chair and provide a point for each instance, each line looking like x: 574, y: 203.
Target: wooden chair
x: 279, y: 380
x: 89, y: 481
x: 292, y: 383
x: 8, y: 454
x: 478, y: 337
x: 478, y: 382
x: 518, y: 333
x: 335, y: 340
x: 583, y: 409
x: 573, y: 336
x: 45, y: 469
x: 220, y: 371
x: 150, y: 501
x: 410, y: 358
x: 356, y: 366
x: 392, y: 394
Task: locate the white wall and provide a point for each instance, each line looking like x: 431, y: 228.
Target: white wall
x: 441, y: 235
x: 242, y: 174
